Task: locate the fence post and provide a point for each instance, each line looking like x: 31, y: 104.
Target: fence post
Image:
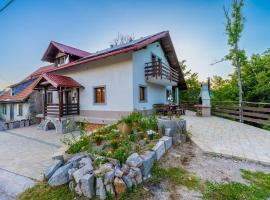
x: 241, y: 111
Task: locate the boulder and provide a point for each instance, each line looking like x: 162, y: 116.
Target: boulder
x: 100, y: 190
x: 118, y: 173
x: 103, y: 169
x: 77, y: 175
x: 85, y: 161
x: 56, y: 164
x: 70, y: 173
x: 119, y: 186
x: 109, y: 177
x: 125, y: 169
x: 77, y: 157
x: 109, y: 189
x: 78, y: 190
x: 159, y: 149
x: 182, y: 125
x: 87, y: 185
x: 134, y: 160
x: 138, y: 175
x: 114, y: 161
x: 60, y: 177
x: 71, y: 185
x: 167, y: 141
x: 168, y: 132
x: 176, y: 139
x: 149, y: 159
x: 163, y: 124
x: 128, y: 181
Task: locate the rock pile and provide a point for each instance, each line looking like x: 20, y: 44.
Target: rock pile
x: 110, y: 177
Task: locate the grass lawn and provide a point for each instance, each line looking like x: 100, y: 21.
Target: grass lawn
x: 257, y: 189
x: 42, y: 191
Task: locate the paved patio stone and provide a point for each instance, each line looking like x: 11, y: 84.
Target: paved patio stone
x: 229, y: 138
x: 28, y: 151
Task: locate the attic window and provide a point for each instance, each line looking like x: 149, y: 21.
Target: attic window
x: 60, y: 60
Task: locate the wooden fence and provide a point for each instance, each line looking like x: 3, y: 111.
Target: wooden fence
x: 253, y: 112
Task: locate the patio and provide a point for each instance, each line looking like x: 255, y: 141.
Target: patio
x: 220, y: 136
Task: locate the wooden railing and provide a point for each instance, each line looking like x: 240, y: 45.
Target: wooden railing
x: 189, y: 105
x: 65, y: 109
x: 160, y: 70
x: 253, y: 112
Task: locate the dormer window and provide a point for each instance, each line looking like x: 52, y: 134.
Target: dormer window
x: 60, y: 60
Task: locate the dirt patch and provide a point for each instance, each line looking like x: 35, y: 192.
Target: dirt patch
x: 203, y: 166
x: 91, y: 127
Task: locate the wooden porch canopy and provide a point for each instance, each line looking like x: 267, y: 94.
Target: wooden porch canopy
x: 53, y: 82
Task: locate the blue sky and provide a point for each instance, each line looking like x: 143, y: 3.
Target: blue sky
x: 196, y: 28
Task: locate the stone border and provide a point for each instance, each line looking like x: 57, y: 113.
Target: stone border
x: 111, y: 177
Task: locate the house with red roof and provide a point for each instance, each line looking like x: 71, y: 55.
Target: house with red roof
x: 98, y: 87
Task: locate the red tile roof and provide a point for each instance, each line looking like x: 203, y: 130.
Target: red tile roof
x: 64, y: 49
x: 36, y: 74
x: 58, y: 81
x: 115, y: 51
x: 20, y: 97
x: 70, y: 50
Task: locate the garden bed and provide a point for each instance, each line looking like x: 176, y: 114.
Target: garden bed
x: 134, y: 133
x: 115, y: 158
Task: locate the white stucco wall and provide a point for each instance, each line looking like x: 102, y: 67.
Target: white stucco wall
x: 115, y: 73
x: 155, y: 93
x: 6, y: 117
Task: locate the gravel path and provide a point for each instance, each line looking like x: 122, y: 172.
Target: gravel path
x: 205, y: 167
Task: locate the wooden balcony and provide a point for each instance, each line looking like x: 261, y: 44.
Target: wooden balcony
x: 159, y: 73
x: 65, y: 110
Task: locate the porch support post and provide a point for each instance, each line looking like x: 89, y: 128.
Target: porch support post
x: 60, y: 103
x: 45, y: 102
x: 78, y: 101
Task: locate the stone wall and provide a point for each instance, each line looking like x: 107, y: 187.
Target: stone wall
x: 112, y: 177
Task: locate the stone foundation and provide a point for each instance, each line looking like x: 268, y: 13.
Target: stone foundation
x: 60, y: 126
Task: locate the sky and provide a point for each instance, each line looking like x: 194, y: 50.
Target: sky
x: 197, y: 29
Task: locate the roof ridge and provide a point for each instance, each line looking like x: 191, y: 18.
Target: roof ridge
x: 58, y: 43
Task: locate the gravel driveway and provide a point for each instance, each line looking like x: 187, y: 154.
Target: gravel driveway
x: 25, y: 153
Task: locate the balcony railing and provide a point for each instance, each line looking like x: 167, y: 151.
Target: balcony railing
x: 160, y: 70
x: 65, y: 109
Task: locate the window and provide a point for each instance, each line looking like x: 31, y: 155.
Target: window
x: 168, y: 93
x: 155, y: 59
x: 20, y: 110
x: 4, y: 109
x: 60, y: 60
x: 99, y: 95
x: 142, y: 93
x: 49, y: 98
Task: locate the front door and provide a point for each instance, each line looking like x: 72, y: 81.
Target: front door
x: 11, y: 112
x: 68, y: 100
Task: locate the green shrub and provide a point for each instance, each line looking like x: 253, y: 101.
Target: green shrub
x: 122, y: 153
x: 114, y: 143
x: 133, y: 117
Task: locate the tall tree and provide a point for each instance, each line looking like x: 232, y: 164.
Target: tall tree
x: 193, y: 85
x: 234, y: 28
